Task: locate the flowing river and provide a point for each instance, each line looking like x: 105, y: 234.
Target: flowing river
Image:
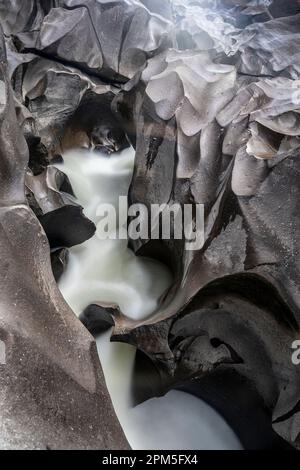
x: 107, y: 271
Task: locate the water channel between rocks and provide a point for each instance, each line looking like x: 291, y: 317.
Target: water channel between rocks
x: 107, y: 271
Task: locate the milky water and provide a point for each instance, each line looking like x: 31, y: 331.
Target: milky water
x: 107, y: 271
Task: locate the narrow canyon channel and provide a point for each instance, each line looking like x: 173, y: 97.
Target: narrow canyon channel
x: 108, y: 271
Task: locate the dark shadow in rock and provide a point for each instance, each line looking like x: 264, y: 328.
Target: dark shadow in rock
x: 98, y: 319
x: 59, y: 262
x: 147, y: 382
x: 38, y: 155
x: 229, y: 393
x: 93, y: 124
x: 240, y: 405
x: 67, y: 226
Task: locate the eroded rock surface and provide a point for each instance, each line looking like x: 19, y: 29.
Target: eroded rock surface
x: 208, y: 93
x: 217, y: 125
x: 53, y: 394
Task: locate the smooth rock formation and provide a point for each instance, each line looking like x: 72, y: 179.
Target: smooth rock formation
x: 234, y: 151
x: 53, y: 394
x: 208, y: 94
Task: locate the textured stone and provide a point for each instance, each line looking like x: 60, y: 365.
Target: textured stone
x: 207, y: 92
x: 53, y: 394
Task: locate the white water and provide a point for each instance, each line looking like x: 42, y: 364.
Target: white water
x: 106, y: 270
